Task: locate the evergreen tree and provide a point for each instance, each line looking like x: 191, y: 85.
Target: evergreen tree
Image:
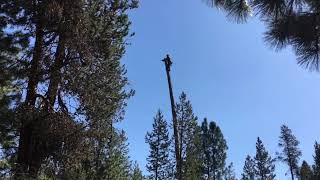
x: 248, y: 169
x: 290, y: 150
x: 74, y: 56
x: 193, y: 163
x: 10, y: 45
x: 158, y: 139
x: 189, y: 135
x: 137, y: 173
x: 214, y: 148
x: 289, y: 23
x: 306, y: 171
x: 107, y: 160
x: 316, y: 166
x: 115, y: 163
x: 264, y: 164
x: 229, y: 173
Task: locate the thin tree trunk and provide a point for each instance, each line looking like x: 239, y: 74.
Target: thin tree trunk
x: 55, y: 77
x: 291, y: 171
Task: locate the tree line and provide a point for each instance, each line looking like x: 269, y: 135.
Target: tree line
x: 63, y: 87
x: 204, y: 151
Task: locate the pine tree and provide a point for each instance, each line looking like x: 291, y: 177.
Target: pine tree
x: 248, y: 169
x: 67, y: 51
x: 137, y: 173
x: 290, y: 150
x: 214, y: 151
x: 107, y: 160
x: 115, y: 163
x: 306, y: 171
x: 264, y: 164
x: 189, y: 135
x: 193, y: 163
x: 10, y: 45
x: 289, y: 23
x: 229, y: 173
x: 158, y: 164
x: 316, y: 166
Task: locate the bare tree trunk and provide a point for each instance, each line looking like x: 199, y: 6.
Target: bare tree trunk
x: 174, y: 119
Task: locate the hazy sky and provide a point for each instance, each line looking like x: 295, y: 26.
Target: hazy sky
x: 230, y: 75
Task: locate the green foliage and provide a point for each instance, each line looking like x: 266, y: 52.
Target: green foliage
x: 108, y: 159
x: 137, y: 173
x: 190, y: 142
x: 159, y: 165
x: 289, y: 23
x: 193, y: 162
x: 306, y: 171
x: 316, y: 166
x: 264, y: 164
x: 290, y: 150
x: 63, y: 57
x: 248, y: 169
x: 229, y: 173
x: 214, y: 150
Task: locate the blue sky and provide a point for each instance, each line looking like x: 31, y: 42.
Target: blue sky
x: 230, y: 75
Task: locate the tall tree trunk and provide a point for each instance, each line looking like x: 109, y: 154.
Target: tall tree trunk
x: 24, y: 149
x: 177, y: 147
x: 55, y: 77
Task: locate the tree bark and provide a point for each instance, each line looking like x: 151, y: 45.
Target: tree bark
x: 168, y: 63
x: 291, y: 171
x: 25, y: 149
x: 55, y: 76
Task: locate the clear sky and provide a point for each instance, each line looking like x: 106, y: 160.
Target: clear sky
x: 230, y: 75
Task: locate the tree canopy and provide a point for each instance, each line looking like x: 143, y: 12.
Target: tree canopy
x: 292, y: 23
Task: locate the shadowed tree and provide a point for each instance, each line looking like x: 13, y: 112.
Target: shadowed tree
x: 10, y: 45
x: 264, y: 164
x: 214, y: 148
x: 290, y: 151
x: 316, y: 157
x: 70, y: 72
x: 248, y: 169
x: 306, y: 171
